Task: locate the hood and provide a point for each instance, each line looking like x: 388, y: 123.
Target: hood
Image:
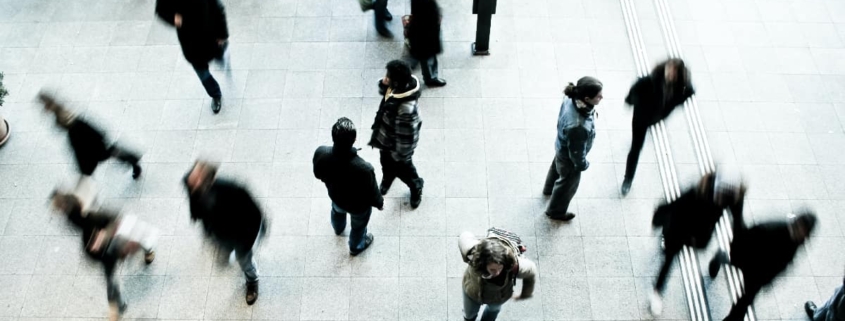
x: 415, y: 89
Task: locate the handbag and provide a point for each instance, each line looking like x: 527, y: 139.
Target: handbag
x: 406, y: 21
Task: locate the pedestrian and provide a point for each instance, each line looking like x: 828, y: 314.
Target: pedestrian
x: 99, y: 240
x: 832, y: 310
x: 380, y: 14
x: 494, y: 264
x: 351, y: 183
x: 88, y: 141
x: 762, y: 252
x: 691, y: 218
x: 424, y: 39
x: 396, y: 129
x: 230, y: 218
x: 575, y: 134
x: 203, y: 35
x: 654, y: 97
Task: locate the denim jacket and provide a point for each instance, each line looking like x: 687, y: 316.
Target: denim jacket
x: 575, y: 133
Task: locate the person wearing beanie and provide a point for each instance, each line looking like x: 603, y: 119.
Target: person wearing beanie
x: 351, y: 183
x: 575, y: 134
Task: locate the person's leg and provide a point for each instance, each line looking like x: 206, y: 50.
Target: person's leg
x: 491, y: 311
x: 381, y: 14
x: 752, y: 286
x: 407, y: 172
x: 338, y: 219
x: 551, y: 177
x: 212, y: 88
x: 250, y: 268
x: 669, y: 254
x: 638, y: 134
x: 116, y: 303
x: 358, y: 232
x: 821, y: 312
x: 127, y: 157
x: 388, y: 171
x: 224, y: 252
x: 471, y: 307
x: 564, y: 188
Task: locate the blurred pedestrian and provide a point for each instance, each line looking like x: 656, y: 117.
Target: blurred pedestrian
x: 351, y: 183
x: 654, y: 97
x: 762, y: 252
x: 396, y: 129
x: 104, y: 240
x: 575, y: 134
x: 424, y: 39
x: 691, y: 218
x: 203, y: 34
x: 833, y: 310
x: 493, y: 265
x: 230, y: 218
x: 86, y: 140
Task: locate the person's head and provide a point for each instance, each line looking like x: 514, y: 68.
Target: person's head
x: 674, y: 70
x: 64, y: 202
x: 588, y: 90
x: 343, y: 133
x: 398, y: 74
x: 725, y: 188
x: 801, y: 225
x: 201, y: 176
x: 426, y: 9
x: 491, y: 258
x: 64, y: 117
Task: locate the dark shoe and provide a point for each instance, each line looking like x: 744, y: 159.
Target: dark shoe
x: 716, y: 264
x: 416, y: 195
x: 136, y: 171
x: 387, y: 15
x: 251, y: 292
x: 436, y: 82
x: 149, y: 257
x: 565, y: 217
x: 384, y: 32
x: 384, y: 187
x: 626, y: 187
x: 810, y: 308
x: 216, y: 105
x: 367, y: 242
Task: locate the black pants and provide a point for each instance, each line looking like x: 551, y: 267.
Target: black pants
x: 669, y: 254
x: 637, y: 141
x: 212, y: 88
x: 88, y: 165
x: 380, y: 13
x: 404, y: 170
x: 112, y: 288
x: 562, y: 182
x: 752, y: 285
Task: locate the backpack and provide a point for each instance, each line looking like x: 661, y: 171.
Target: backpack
x: 509, y: 237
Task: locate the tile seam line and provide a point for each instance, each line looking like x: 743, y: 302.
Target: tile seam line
x: 693, y: 290
x: 706, y: 164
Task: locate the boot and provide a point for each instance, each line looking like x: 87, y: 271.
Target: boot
x: 435, y: 82
x: 565, y: 217
x: 251, y: 292
x: 149, y: 257
x: 387, y: 15
x: 136, y: 171
x: 810, y: 308
x: 626, y: 187
x: 368, y: 240
x: 416, y: 194
x: 216, y: 105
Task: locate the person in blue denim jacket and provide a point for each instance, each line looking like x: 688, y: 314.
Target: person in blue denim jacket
x: 575, y: 134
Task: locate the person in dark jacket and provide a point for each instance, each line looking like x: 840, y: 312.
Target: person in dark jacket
x: 691, y: 218
x: 762, y: 252
x: 351, y: 182
x: 91, y: 223
x: 424, y: 39
x: 654, y: 97
x: 833, y: 310
x: 88, y: 142
x: 203, y: 35
x: 230, y: 217
x: 396, y: 129
x: 381, y: 15
x: 575, y: 134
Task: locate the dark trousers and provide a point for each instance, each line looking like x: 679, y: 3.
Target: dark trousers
x: 112, y: 287
x: 669, y: 254
x: 211, y: 86
x: 404, y: 170
x: 752, y: 285
x: 380, y: 13
x: 428, y: 67
x: 561, y: 183
x: 637, y: 141
x: 88, y: 165
x: 359, y: 221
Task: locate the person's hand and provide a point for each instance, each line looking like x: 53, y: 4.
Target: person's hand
x: 385, y: 81
x: 177, y: 20
x: 221, y: 42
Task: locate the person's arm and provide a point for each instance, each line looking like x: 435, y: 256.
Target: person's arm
x: 218, y: 16
x: 466, y: 242
x: 577, y: 141
x: 528, y: 273
x: 378, y: 199
x: 407, y: 131
x: 635, y: 92
x: 737, y: 214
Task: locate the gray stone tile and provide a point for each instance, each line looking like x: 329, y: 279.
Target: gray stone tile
x: 285, y: 215
x: 607, y: 256
x: 566, y: 298
x: 466, y: 179
x: 500, y: 83
x: 422, y: 298
x: 300, y: 113
x: 59, y: 255
x: 179, y: 298
x: 311, y: 29
x: 752, y: 148
x: 819, y: 118
x: 334, y: 108
x: 464, y: 145
x: 638, y: 213
x: 601, y: 217
x: 328, y: 257
x: 226, y: 299
x: 294, y: 145
x: 254, y: 146
x: 820, y: 144
x: 791, y: 293
x: 379, y: 260
x: 561, y: 257
x: 508, y: 180
x: 173, y: 146
x: 282, y: 256
x: 825, y: 260
x: 466, y: 214
x: 143, y: 294
x: 429, y: 219
x: 321, y: 290
x: 646, y: 256
x: 349, y: 28
x: 163, y: 180
x: 463, y: 113
x: 46, y: 296
x: 189, y: 256
x: 613, y: 299
x: 265, y: 84
x: 215, y: 145
x: 260, y: 114
x: 514, y: 214
x: 505, y: 145
x: 803, y: 87
x: 13, y: 294
x: 674, y: 302
x: 304, y: 84
x: 833, y: 179
x: 374, y: 299
x: 288, y: 290
x: 423, y: 256
x: 21, y: 260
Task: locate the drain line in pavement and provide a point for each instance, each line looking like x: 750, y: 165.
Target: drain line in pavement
x: 693, y: 289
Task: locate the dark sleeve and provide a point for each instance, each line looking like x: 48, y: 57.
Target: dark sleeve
x: 166, y: 10
x: 737, y: 215
x: 314, y: 163
x: 577, y: 142
x: 378, y: 200
x: 218, y: 16
x: 635, y: 93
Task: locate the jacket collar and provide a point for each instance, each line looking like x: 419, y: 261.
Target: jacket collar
x: 390, y: 93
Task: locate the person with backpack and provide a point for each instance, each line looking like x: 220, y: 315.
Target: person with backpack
x: 493, y: 265
x: 654, y: 97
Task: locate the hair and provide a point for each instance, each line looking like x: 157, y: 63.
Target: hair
x: 683, y: 74
x: 587, y: 87
x: 491, y: 251
x: 343, y: 132
x: 426, y: 10
x: 399, y: 73
x: 807, y: 219
x: 208, y: 169
x: 66, y: 202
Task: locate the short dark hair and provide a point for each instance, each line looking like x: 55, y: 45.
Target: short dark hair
x: 491, y: 251
x: 343, y: 132
x: 587, y: 87
x: 399, y: 73
x: 806, y: 219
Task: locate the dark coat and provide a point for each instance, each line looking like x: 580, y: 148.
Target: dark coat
x: 89, y: 224
x: 424, y: 29
x: 691, y: 219
x: 396, y: 127
x: 88, y: 144
x: 647, y: 97
x: 228, y: 214
x: 576, y: 131
x: 351, y: 181
x: 203, y: 23
x: 763, y: 251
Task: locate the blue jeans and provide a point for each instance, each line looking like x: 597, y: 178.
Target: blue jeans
x: 471, y: 308
x: 212, y: 88
x: 357, y: 235
x: 823, y: 311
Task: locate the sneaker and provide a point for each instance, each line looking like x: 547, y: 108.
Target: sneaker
x: 810, y: 308
x: 367, y: 242
x: 251, y: 292
x: 149, y: 257
x: 565, y: 217
x: 136, y: 171
x: 655, y: 304
x: 387, y: 15
x: 626, y: 187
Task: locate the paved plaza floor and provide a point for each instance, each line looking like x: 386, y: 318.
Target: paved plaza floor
x: 770, y: 80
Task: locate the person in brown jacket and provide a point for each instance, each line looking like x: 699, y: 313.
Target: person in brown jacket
x: 491, y: 273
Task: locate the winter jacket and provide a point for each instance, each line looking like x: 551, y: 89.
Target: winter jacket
x: 691, y: 219
x: 490, y: 291
x: 88, y: 144
x: 203, y: 23
x: 396, y: 127
x: 351, y: 181
x: 647, y: 97
x: 424, y: 29
x: 575, y: 133
x: 763, y: 251
x: 228, y: 214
